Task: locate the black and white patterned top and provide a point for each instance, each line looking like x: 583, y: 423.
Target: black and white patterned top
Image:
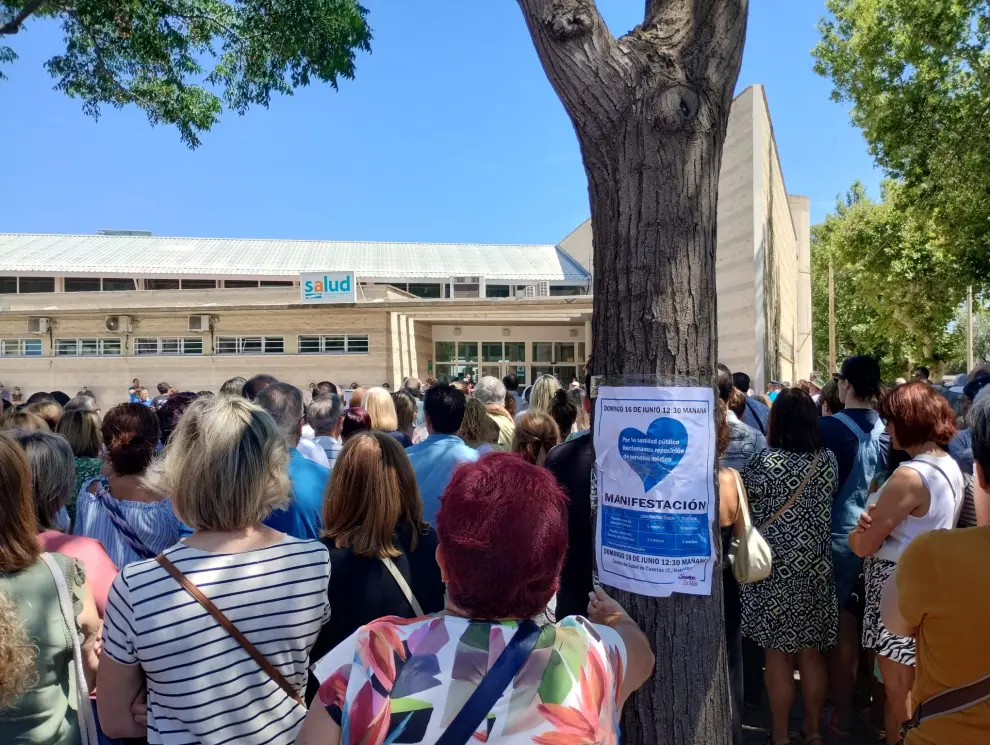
x: 795, y: 607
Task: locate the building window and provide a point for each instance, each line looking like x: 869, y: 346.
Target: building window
x: 467, y: 351
x: 168, y: 346
x: 118, y: 284
x: 333, y: 344
x: 497, y: 290
x: 108, y: 347
x: 161, y: 284
x: 82, y: 284
x: 20, y: 347
x: 557, y: 291
x: 199, y: 284
x: 515, y: 351
x: 444, y: 351
x: 563, y: 352
x: 542, y: 351
x: 426, y: 291
x: 277, y: 283
x: 249, y: 345
x: 36, y: 284
x: 8, y: 285
x: 239, y: 284
x: 491, y: 351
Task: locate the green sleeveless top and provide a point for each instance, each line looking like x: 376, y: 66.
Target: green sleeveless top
x: 45, y: 715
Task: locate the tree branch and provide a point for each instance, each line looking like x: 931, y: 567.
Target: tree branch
x: 581, y: 58
x: 14, y: 24
x: 102, y: 65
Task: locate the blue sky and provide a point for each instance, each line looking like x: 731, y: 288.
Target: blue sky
x: 450, y: 132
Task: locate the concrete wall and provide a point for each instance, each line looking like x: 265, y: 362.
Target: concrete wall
x: 735, y: 278
x: 400, y: 338
x: 800, y: 208
x: 109, y: 377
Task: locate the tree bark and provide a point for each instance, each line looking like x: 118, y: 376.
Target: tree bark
x: 650, y: 110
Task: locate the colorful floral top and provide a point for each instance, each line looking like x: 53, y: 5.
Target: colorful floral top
x: 403, y: 681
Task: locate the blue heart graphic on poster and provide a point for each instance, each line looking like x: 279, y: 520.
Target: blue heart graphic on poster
x: 655, y: 453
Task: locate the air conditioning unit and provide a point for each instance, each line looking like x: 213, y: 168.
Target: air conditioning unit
x: 120, y: 324
x: 199, y: 323
x: 39, y: 325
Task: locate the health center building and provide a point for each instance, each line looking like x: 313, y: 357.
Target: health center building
x: 99, y: 310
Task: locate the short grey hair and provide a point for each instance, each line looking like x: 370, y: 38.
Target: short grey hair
x: 324, y: 413
x: 285, y: 403
x: 490, y: 390
x: 53, y: 473
x: 233, y: 387
x: 81, y: 403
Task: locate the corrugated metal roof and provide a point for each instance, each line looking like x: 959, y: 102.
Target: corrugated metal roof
x: 111, y: 255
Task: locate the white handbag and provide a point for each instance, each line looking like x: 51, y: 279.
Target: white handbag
x: 750, y: 554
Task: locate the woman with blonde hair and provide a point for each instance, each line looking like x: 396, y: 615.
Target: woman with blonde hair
x: 535, y: 435
x: 226, y: 469
x: 50, y: 411
x: 478, y: 430
x: 380, y: 407
x: 82, y: 430
x: 541, y: 395
x: 375, y: 532
x: 49, y: 712
x: 15, y: 419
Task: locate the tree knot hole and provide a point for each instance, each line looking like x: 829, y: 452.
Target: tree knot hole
x: 569, y: 19
x: 680, y: 108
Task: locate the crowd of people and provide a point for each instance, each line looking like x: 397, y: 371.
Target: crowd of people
x: 267, y: 565
x: 874, y: 505
x: 271, y: 565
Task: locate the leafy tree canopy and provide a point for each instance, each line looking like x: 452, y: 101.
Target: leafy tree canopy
x: 897, y: 283
x: 918, y: 75
x: 184, y: 61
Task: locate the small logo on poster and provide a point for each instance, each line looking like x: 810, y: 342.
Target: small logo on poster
x: 328, y: 287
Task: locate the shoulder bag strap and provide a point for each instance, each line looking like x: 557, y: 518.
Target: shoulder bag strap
x: 217, y: 614
x: 492, y: 686
x: 743, y: 514
x: 851, y: 425
x: 120, y: 521
x: 403, y: 585
x: 952, y: 700
x: 798, y: 493
x: 84, y: 709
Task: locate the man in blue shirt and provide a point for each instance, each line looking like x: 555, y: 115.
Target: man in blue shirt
x: 857, y: 439
x: 435, y: 458
x: 303, y: 518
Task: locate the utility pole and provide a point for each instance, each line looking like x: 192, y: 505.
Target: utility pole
x: 970, y: 362
x: 832, y: 363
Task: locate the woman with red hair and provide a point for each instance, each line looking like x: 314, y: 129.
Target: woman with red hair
x: 502, y: 533
x: 923, y: 494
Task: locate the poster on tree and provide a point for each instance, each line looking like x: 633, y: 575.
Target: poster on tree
x: 654, y: 449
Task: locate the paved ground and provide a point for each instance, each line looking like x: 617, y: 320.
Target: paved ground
x: 757, y: 728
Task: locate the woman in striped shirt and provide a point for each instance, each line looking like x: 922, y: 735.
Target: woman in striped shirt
x: 132, y: 521
x: 226, y: 467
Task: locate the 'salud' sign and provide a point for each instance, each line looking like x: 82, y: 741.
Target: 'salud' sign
x: 328, y: 287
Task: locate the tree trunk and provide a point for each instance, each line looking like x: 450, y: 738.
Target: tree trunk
x: 650, y: 110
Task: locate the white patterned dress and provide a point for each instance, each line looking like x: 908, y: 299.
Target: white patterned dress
x: 795, y: 607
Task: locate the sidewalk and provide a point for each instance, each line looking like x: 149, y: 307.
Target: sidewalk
x: 756, y: 727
